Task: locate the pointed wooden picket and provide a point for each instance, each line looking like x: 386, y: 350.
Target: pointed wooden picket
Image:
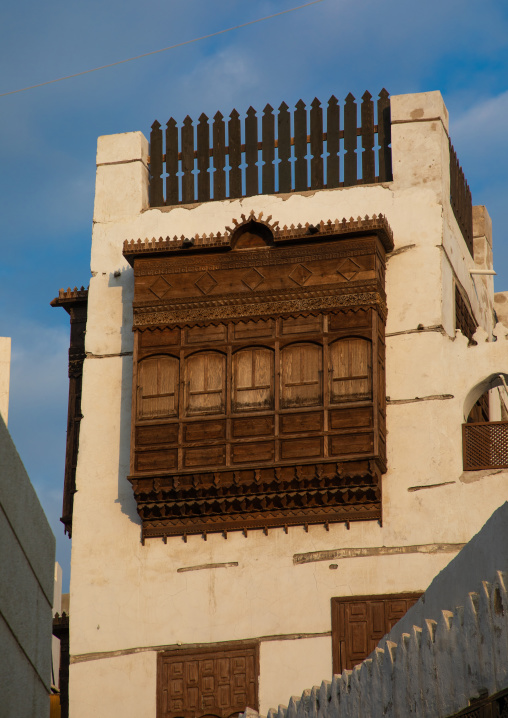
x: 251, y: 153
x: 235, y: 155
x: 171, y: 162
x: 219, y: 156
x: 333, y: 143
x: 156, y: 195
x: 203, y: 140
x: 300, y: 121
x: 316, y: 145
x: 384, y: 136
x: 284, y: 148
x: 187, y: 161
x: 268, y: 140
x: 367, y: 113
x: 350, y: 143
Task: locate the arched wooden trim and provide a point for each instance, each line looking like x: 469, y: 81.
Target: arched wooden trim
x: 252, y: 234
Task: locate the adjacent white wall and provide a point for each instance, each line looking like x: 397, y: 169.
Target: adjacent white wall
x: 5, y: 372
x: 127, y: 596
x: 27, y: 554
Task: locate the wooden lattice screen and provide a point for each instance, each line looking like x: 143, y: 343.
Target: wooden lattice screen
x: 464, y: 319
x: 485, y: 445
x: 292, y: 152
x: 460, y: 199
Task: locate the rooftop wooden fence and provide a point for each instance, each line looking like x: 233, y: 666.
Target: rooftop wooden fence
x: 461, y: 201
x: 272, y: 153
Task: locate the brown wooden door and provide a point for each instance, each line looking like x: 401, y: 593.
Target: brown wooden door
x: 360, y: 622
x: 195, y: 684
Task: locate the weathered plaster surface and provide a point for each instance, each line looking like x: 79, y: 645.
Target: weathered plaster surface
x: 128, y: 682
x: 5, y: 371
x: 125, y: 595
x: 27, y: 554
x: 450, y: 647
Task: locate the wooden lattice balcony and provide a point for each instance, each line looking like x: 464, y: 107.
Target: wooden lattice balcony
x: 485, y: 445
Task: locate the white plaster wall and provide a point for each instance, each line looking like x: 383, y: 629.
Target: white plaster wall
x: 125, y: 595
x: 5, y: 371
x: 27, y: 554
x: 122, y: 686
x: 286, y: 665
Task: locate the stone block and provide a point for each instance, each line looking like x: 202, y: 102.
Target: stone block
x: 125, y: 147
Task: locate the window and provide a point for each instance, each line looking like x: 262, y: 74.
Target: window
x: 350, y: 370
x: 205, y: 383
x: 220, y: 681
x: 360, y: 622
x: 158, y: 380
x: 301, y: 371
x: 253, y: 379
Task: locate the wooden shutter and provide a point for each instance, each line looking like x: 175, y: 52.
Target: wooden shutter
x: 350, y: 370
x: 205, y: 383
x: 253, y: 379
x: 301, y: 371
x: 213, y: 682
x: 360, y: 622
x: 158, y: 379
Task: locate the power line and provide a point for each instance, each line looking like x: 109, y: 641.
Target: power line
x: 164, y: 49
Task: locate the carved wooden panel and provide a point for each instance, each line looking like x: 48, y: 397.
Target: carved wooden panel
x: 259, y: 383
x: 211, y: 682
x: 360, y: 622
x: 75, y: 303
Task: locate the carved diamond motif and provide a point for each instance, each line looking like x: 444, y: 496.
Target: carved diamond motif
x: 300, y: 274
x: 160, y: 287
x: 205, y: 283
x: 253, y: 278
x: 348, y: 269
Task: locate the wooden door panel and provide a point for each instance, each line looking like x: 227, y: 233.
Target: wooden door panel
x: 156, y: 434
x: 202, y: 430
x: 218, y: 683
x: 355, y: 418
x: 248, y: 453
x: 295, y: 423
x: 359, y: 623
x: 253, y: 426
x: 348, y: 444
x: 301, y: 448
x: 153, y: 460
x: 205, y: 456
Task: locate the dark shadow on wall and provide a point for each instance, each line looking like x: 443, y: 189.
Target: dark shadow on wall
x: 124, y: 279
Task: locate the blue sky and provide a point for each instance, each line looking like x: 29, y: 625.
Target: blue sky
x: 48, y: 135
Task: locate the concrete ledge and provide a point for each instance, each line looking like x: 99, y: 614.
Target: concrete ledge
x: 419, y: 107
x: 125, y: 147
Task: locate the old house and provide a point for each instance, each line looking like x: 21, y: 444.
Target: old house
x: 288, y: 412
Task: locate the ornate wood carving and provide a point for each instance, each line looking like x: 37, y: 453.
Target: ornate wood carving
x: 74, y: 301
x: 258, y: 394
x: 221, y: 681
